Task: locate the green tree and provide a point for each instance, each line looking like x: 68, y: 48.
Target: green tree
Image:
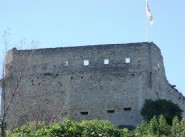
x: 161, y: 107
x: 178, y: 128
x: 164, y: 128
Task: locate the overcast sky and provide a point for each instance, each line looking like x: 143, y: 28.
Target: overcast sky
x: 56, y: 23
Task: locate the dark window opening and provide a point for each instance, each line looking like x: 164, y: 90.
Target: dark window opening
x: 47, y: 74
x: 91, y: 76
x: 110, y: 111
x: 71, y: 77
x: 127, y: 109
x: 84, y: 113
x: 34, y: 67
x: 81, y: 77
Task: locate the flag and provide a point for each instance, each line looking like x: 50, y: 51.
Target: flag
x: 148, y: 13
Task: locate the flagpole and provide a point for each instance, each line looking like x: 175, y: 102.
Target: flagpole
x: 146, y: 26
x: 148, y: 18
x: 146, y: 30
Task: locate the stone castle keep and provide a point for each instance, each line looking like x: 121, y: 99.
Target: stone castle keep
x: 86, y: 82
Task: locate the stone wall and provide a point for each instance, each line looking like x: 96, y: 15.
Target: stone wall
x: 86, y: 82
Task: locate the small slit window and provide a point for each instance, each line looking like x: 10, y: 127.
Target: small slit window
x: 127, y: 109
x: 106, y: 61
x: 127, y: 60
x: 84, y: 113
x: 110, y: 111
x: 86, y: 62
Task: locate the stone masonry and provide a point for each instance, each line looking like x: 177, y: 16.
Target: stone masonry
x: 86, y: 82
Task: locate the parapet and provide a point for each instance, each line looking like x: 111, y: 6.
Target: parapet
x: 128, y: 56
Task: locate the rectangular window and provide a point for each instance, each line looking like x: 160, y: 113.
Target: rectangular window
x: 110, y: 111
x: 34, y: 68
x: 84, y: 113
x: 86, y: 62
x: 106, y: 61
x: 44, y: 66
x: 127, y: 60
x: 127, y: 109
x: 66, y: 63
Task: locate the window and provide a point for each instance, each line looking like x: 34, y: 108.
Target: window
x: 127, y: 60
x: 110, y: 111
x: 84, y: 113
x: 66, y: 63
x: 127, y: 109
x: 44, y: 66
x: 86, y: 62
x: 34, y: 68
x: 106, y: 61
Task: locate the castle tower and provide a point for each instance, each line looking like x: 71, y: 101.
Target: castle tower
x: 87, y: 82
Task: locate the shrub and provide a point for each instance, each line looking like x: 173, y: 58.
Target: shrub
x: 161, y: 107
x: 69, y: 128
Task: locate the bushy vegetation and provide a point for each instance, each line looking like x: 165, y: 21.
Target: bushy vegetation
x: 68, y: 128
x: 156, y: 127
x: 161, y: 107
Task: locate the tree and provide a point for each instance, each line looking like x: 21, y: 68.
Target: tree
x: 161, y: 107
x: 19, y: 105
x: 8, y: 97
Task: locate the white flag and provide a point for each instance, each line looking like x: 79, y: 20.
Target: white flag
x: 148, y: 13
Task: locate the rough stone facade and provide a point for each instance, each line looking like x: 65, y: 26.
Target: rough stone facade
x: 86, y: 82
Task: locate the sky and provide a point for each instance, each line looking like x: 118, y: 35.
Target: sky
x: 61, y: 23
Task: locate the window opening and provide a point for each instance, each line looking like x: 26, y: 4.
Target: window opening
x: 106, y: 61
x: 86, y: 62
x: 84, y: 113
x: 110, y: 111
x: 127, y: 60
x: 127, y: 109
x: 66, y: 63
x: 44, y: 66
